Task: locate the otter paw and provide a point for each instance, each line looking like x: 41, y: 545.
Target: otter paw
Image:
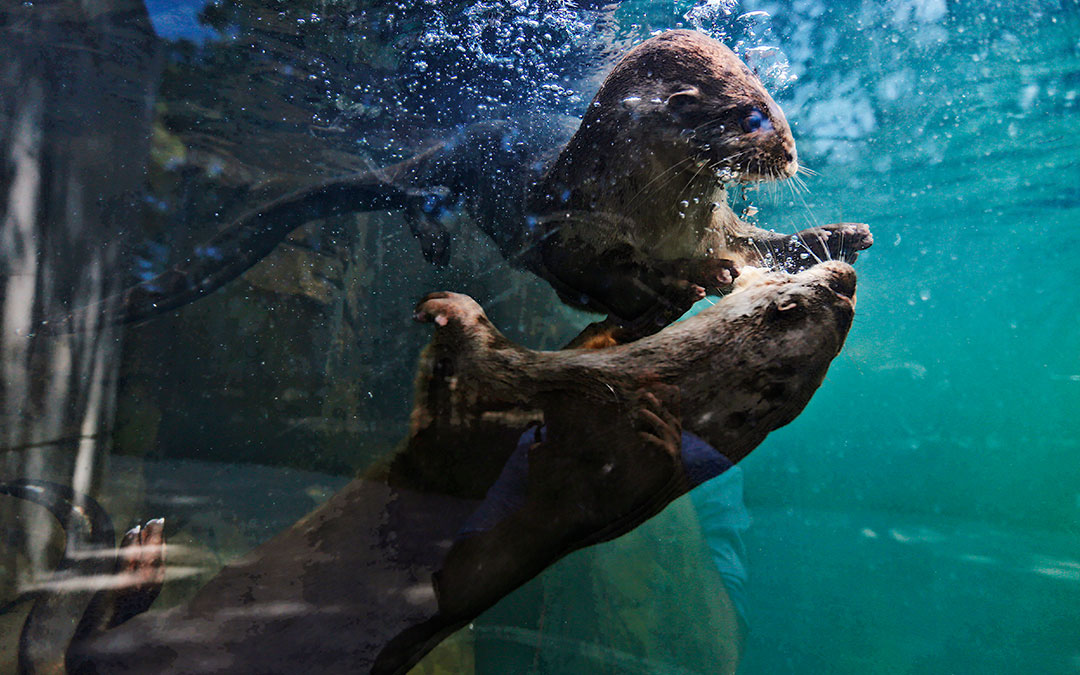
x: 714, y: 273
x: 141, y: 562
x: 850, y: 236
x: 444, y: 308
x: 837, y: 241
x: 658, y: 419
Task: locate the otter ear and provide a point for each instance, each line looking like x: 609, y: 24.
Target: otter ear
x: 785, y: 307
x: 683, y: 98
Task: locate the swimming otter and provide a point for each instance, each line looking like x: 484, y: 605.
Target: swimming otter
x: 625, y: 213
x: 390, y: 565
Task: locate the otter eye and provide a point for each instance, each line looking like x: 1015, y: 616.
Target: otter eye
x: 756, y: 121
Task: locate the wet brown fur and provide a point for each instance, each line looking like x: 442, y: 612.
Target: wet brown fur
x: 622, y: 214
x: 382, y: 572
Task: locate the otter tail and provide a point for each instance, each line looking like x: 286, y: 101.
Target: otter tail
x: 92, y: 588
x: 249, y: 239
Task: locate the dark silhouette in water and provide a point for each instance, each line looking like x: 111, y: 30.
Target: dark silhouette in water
x: 465, y: 513
x: 131, y: 577
x: 624, y: 214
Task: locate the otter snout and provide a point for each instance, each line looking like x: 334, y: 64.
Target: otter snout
x: 839, y: 277
x: 792, y: 157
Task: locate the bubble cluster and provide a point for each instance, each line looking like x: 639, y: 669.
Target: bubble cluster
x: 749, y: 34
x: 491, y: 57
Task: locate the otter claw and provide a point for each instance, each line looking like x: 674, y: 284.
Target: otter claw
x: 725, y: 273
x: 837, y: 241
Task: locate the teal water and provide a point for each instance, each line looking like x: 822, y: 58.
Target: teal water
x: 921, y: 516
x: 924, y: 511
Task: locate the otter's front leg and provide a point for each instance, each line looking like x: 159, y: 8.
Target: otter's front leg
x: 641, y: 295
x: 715, y: 275
x: 689, y: 279
x: 135, y: 585
x: 802, y: 250
x: 587, y: 479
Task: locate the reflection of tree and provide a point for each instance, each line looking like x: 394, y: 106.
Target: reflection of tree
x: 287, y: 93
x: 76, y: 80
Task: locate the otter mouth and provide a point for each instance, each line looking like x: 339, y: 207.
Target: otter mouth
x: 728, y: 172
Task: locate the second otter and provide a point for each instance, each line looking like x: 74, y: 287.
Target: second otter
x: 626, y: 215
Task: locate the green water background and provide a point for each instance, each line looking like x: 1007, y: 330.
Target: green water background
x: 923, y: 514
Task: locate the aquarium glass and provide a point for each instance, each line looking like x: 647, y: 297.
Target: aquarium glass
x: 921, y: 515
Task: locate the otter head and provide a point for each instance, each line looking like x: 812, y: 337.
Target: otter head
x: 694, y: 95
x: 773, y: 342
x: 813, y: 308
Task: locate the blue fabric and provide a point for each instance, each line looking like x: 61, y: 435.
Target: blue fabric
x: 719, y: 504
x: 700, y: 463
x: 723, y: 517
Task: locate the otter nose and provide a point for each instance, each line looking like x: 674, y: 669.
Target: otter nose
x: 791, y: 161
x: 841, y: 278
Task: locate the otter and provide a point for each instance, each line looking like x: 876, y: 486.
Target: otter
x: 624, y: 213
x: 391, y: 564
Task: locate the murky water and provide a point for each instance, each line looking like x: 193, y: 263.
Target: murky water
x: 921, y: 516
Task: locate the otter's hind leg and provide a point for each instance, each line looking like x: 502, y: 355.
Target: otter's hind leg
x: 252, y: 236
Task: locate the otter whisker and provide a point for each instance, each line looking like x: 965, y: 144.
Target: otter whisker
x: 801, y: 183
x: 691, y: 181
x: 811, y: 221
x: 762, y: 256
x: 728, y: 160
x: 809, y: 250
x: 710, y: 124
x: 791, y: 188
x: 667, y: 173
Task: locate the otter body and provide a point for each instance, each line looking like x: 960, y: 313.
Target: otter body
x: 625, y: 213
x: 390, y: 565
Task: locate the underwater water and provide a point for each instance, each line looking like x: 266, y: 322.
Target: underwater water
x: 922, y: 514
